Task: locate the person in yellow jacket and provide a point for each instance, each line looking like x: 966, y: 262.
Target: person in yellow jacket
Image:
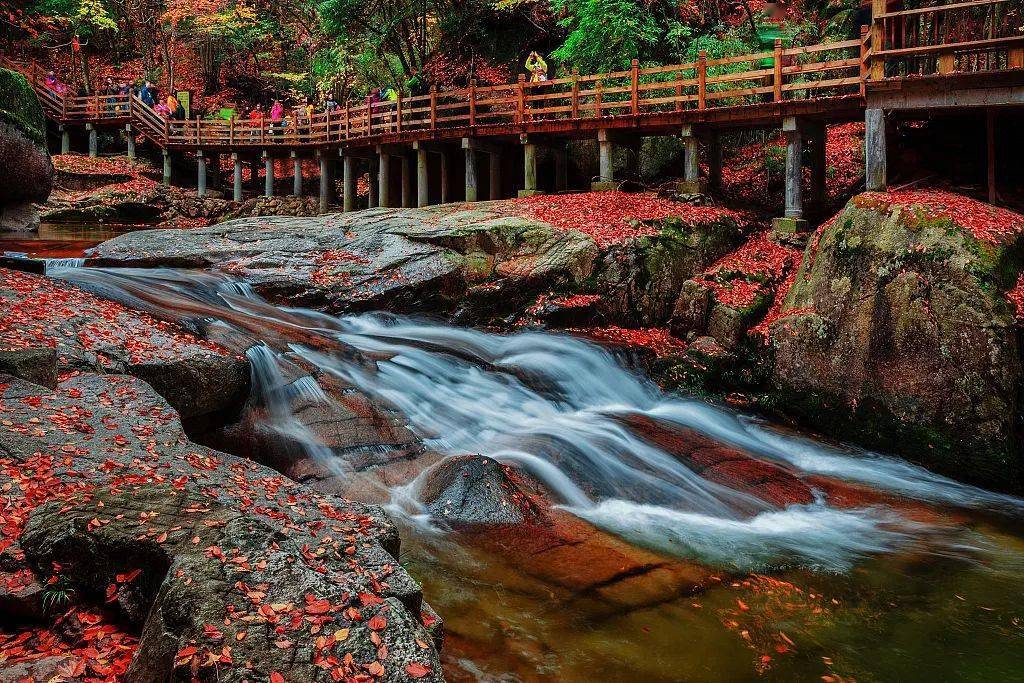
x: 537, y: 67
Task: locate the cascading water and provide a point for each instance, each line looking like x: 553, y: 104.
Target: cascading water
x: 556, y: 407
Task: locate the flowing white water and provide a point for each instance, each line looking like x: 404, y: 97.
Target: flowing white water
x: 557, y: 407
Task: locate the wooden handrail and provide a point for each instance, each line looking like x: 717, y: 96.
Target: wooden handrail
x: 937, y: 8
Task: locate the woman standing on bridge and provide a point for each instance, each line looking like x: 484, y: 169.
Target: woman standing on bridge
x: 537, y: 67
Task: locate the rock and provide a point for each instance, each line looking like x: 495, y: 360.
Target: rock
x: 393, y: 259
x: 897, y: 332
x: 88, y: 333
x: 26, y: 171
x: 642, y: 278
x: 474, y: 490
x: 202, y: 552
x: 23, y: 217
x: 43, y: 670
x: 691, y: 310
x: 37, y: 365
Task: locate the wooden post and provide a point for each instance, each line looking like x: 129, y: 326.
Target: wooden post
x: 231, y: 131
x: 702, y: 79
x: 990, y: 137
x: 369, y: 116
x: 328, y: 121
x: 433, y: 107
x: 634, y: 67
x: 263, y: 129
x: 398, y: 113
x: 597, y: 98
x: 864, y: 37
x: 348, y: 119
x: 1016, y: 58
x: 946, y: 62
x: 575, y: 93
x: 777, y: 62
x: 472, y: 102
x: 521, y: 106
x: 877, y: 63
x: 199, y: 135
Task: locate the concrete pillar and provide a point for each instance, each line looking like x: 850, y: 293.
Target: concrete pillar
x: 374, y: 200
x: 325, y: 182
x: 691, y: 163
x: 407, y: 199
x: 817, y: 137
x: 529, y: 170
x: 494, y: 171
x: 422, y: 177
x: 201, y: 180
x: 348, y: 183
x: 167, y: 167
x: 130, y: 139
x: 606, y: 172
x: 793, y: 220
x: 94, y: 145
x: 268, y: 171
x: 561, y: 169
x: 446, y: 181
x: 383, y: 179
x: 875, y: 135
x: 714, y: 152
x: 296, y: 175
x: 472, y: 184
x: 65, y: 140
x: 238, y: 177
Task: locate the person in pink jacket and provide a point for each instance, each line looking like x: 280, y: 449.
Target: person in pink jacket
x: 276, y: 116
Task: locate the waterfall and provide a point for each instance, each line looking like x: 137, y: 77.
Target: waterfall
x: 558, y: 407
x: 53, y: 265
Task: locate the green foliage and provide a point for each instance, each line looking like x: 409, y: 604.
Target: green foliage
x: 20, y: 108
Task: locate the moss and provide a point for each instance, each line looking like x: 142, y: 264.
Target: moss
x: 20, y: 108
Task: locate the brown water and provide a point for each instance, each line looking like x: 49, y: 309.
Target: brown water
x: 61, y: 240
x: 910, y: 617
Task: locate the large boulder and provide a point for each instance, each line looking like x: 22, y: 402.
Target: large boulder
x: 394, y: 259
x: 226, y: 570
x: 26, y: 172
x: 897, y: 332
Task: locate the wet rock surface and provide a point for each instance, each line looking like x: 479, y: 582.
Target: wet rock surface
x: 212, y: 559
x: 897, y: 332
x: 26, y: 172
x: 92, y: 334
x: 475, y: 490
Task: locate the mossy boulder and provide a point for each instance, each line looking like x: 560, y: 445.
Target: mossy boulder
x: 26, y: 172
x: 898, y: 333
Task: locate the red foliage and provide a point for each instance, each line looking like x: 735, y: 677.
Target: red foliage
x: 613, y: 217
x: 446, y: 71
x: 101, y: 166
x: 986, y: 222
x: 658, y: 340
x: 754, y: 269
x: 1016, y: 297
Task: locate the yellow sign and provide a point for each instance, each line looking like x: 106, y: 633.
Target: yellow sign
x: 185, y: 100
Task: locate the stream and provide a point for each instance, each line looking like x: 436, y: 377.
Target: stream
x: 923, y: 579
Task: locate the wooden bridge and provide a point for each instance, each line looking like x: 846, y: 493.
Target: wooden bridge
x: 962, y: 54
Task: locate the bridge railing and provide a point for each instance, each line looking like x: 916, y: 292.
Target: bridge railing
x: 957, y: 37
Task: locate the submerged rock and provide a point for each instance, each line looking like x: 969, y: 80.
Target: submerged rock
x: 897, y: 332
x: 227, y: 570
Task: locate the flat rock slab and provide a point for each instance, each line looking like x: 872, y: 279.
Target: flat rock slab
x: 97, y: 335
x: 227, y: 570
x: 394, y: 259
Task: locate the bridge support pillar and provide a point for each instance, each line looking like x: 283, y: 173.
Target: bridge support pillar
x: 494, y: 174
x: 472, y: 183
x: 690, y: 183
x: 167, y: 168
x: 296, y: 174
x: 606, y: 169
x: 348, y: 181
x: 130, y: 138
x: 407, y: 199
x: 875, y: 136
x: 238, y: 177
x: 793, y: 220
x: 268, y: 171
x: 94, y: 145
x: 529, y: 170
x: 201, y: 174
x: 65, y: 140
x: 383, y: 179
x: 326, y: 182
x: 374, y: 198
x: 422, y: 177
x: 446, y: 180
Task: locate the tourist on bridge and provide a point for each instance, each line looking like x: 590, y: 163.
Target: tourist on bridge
x: 276, y: 116
x: 146, y: 94
x: 256, y: 120
x: 537, y: 67
x: 53, y: 84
